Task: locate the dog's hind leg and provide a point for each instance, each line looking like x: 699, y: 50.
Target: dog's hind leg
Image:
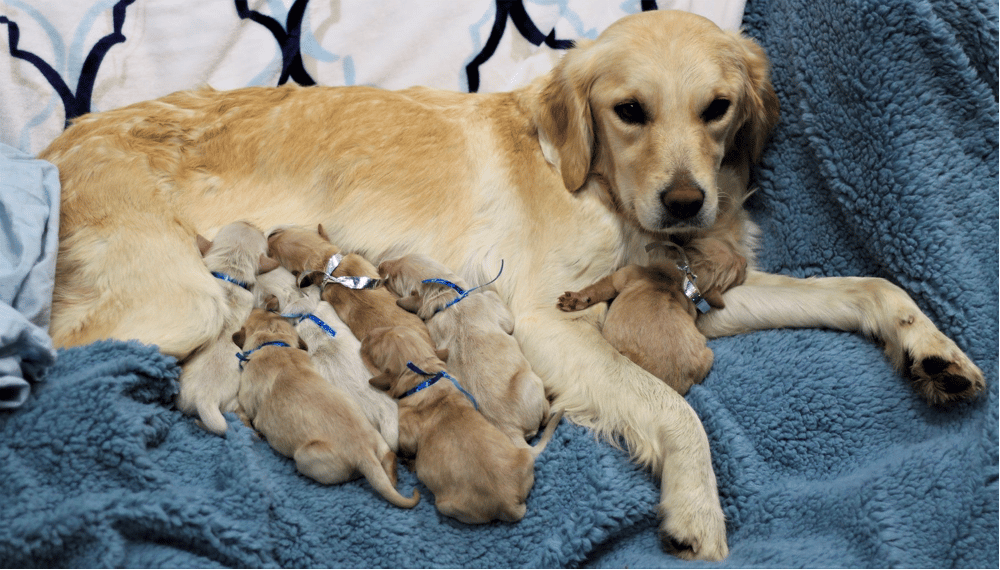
x: 941, y: 372
x: 601, y: 389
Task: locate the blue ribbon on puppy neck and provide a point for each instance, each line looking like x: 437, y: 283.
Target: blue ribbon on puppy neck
x: 319, y: 322
x: 462, y: 293
x: 351, y: 282
x: 244, y: 357
x: 433, y: 380
x: 230, y: 279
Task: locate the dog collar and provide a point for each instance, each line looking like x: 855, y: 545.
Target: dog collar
x: 433, y: 380
x: 319, y: 322
x: 351, y: 282
x: 690, y: 288
x: 462, y: 293
x: 230, y: 279
x: 244, y: 357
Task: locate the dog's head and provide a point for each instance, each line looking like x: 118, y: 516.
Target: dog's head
x: 655, y: 107
x: 264, y: 325
x: 300, y: 249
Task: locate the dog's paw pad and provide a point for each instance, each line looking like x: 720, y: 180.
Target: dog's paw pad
x: 572, y: 301
x: 941, y: 380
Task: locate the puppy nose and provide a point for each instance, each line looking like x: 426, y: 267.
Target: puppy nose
x: 683, y: 199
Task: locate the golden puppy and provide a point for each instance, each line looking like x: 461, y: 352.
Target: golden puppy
x: 652, y: 318
x: 303, y: 416
x: 475, y: 328
x: 476, y: 472
x: 647, y: 133
x: 210, y: 378
x: 334, y: 349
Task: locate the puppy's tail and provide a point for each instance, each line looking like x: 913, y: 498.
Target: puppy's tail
x: 550, y: 428
x: 211, y: 418
x: 381, y: 480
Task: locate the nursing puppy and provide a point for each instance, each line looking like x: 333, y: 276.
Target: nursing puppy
x: 652, y: 320
x: 307, y: 255
x: 334, y: 349
x: 303, y: 416
x: 475, y: 472
x: 475, y: 329
x: 210, y: 378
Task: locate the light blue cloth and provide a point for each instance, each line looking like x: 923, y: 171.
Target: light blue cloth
x: 29, y: 214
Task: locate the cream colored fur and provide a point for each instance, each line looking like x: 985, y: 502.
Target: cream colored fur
x: 549, y: 178
x: 337, y: 358
x: 304, y: 417
x: 476, y: 332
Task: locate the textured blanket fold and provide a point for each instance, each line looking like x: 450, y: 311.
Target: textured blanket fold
x: 885, y: 163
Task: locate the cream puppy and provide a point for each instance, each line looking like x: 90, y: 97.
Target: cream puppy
x: 210, y: 377
x: 475, y: 472
x: 333, y: 347
x: 303, y: 416
x: 476, y: 328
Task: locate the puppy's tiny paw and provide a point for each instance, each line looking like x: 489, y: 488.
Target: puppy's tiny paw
x: 573, y: 301
x: 945, y: 378
x: 694, y: 534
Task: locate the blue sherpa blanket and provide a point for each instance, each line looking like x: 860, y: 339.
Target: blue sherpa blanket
x: 885, y: 163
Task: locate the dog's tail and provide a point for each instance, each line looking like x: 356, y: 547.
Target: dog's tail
x: 211, y: 418
x: 381, y: 479
x: 550, y: 429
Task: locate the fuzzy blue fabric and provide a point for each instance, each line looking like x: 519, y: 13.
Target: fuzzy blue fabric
x: 885, y: 163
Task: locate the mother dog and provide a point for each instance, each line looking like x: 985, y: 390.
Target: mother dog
x: 646, y: 133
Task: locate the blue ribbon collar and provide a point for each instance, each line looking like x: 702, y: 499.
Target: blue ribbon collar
x: 319, y: 322
x: 462, y: 293
x: 433, y: 380
x: 230, y: 279
x: 244, y: 357
x: 351, y: 282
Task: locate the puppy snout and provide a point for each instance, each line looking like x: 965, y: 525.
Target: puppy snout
x: 683, y: 199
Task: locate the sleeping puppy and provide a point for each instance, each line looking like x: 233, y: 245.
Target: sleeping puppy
x: 305, y: 417
x: 652, y: 318
x: 310, y: 256
x: 335, y: 351
x: 475, y: 472
x: 210, y: 378
x: 475, y: 327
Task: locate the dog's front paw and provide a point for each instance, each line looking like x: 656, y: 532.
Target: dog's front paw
x: 573, y: 301
x: 943, y: 375
x: 695, y: 533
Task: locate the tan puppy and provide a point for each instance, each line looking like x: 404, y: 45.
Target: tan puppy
x: 210, y: 378
x: 652, y: 319
x: 475, y: 472
x: 303, y: 416
x: 475, y: 328
x: 307, y: 255
x: 334, y: 349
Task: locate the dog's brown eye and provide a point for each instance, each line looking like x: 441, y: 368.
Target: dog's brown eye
x: 631, y: 113
x: 715, y: 110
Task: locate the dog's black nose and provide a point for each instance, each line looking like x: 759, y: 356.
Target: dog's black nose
x: 683, y: 199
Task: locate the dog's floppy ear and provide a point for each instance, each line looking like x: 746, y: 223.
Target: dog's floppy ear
x: 203, y: 244
x: 267, y: 264
x: 322, y: 232
x: 240, y: 336
x: 382, y: 381
x: 563, y: 117
x: 271, y: 304
x: 442, y: 353
x: 760, y: 105
x: 411, y: 303
x: 309, y: 278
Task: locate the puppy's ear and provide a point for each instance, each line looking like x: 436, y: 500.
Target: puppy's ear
x: 240, y: 336
x: 267, y: 264
x: 322, y: 232
x: 308, y: 278
x: 382, y: 381
x: 563, y: 117
x: 442, y: 353
x: 271, y: 304
x: 760, y: 105
x: 714, y: 298
x: 303, y: 345
x: 411, y: 303
x: 203, y: 244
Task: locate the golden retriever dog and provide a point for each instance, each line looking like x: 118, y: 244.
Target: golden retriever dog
x: 475, y: 327
x: 647, y: 132
x: 476, y: 473
x: 652, y: 318
x: 210, y: 377
x: 334, y: 349
x: 303, y: 416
